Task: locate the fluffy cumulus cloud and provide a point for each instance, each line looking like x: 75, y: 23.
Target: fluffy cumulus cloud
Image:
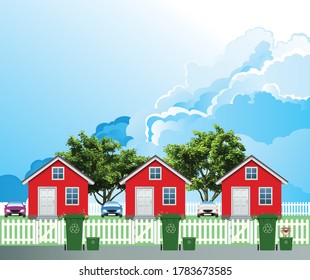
x: 264, y: 117
x: 115, y: 130
x: 258, y: 87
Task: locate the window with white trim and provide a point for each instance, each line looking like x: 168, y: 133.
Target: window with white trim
x: 169, y: 196
x: 72, y: 196
x: 155, y: 173
x: 58, y: 173
x: 265, y: 196
x: 251, y: 173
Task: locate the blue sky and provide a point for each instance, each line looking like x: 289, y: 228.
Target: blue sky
x: 149, y: 72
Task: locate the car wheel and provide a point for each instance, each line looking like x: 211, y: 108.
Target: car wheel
x: 198, y: 216
x: 6, y: 216
x: 102, y: 216
x: 120, y: 216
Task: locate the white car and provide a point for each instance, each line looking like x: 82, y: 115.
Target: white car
x: 207, y: 208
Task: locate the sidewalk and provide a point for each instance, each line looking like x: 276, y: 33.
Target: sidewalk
x: 151, y: 253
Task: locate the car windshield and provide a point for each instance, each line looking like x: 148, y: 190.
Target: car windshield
x: 111, y: 203
x: 15, y: 203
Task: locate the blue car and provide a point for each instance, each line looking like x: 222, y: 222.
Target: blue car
x: 111, y: 208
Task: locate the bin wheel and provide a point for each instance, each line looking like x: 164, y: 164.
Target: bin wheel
x: 161, y: 247
x: 276, y: 247
x: 257, y: 247
x: 179, y: 247
x: 65, y: 247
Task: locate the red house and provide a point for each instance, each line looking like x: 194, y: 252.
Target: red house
x: 154, y: 188
x: 250, y: 189
x: 57, y: 188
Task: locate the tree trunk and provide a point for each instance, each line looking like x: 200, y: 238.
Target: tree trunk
x: 201, y: 195
x: 206, y: 195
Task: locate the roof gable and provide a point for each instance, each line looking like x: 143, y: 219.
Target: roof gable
x: 47, y: 165
x: 158, y: 159
x: 258, y: 162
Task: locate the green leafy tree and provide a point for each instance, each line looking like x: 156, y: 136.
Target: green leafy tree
x: 205, y: 158
x: 105, y: 162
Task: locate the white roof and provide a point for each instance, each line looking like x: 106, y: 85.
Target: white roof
x: 256, y: 161
x: 47, y: 165
x: 123, y: 181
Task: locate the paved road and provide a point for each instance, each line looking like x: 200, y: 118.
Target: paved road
x: 151, y: 253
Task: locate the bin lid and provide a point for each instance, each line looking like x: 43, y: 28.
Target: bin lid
x: 170, y: 216
x: 74, y: 216
x: 267, y: 216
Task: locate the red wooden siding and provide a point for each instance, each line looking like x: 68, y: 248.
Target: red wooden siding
x: 265, y: 179
x: 168, y: 179
x: 71, y: 179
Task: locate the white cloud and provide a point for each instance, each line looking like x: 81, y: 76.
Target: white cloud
x: 251, y: 63
x: 287, y: 73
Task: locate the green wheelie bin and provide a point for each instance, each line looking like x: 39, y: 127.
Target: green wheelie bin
x: 286, y: 243
x: 92, y: 243
x: 267, y: 231
x: 74, y: 231
x: 170, y: 230
x: 189, y: 243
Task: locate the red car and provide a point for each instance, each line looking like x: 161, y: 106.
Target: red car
x: 15, y: 208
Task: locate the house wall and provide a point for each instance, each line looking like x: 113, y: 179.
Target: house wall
x: 44, y: 179
x: 265, y: 179
x: 169, y: 179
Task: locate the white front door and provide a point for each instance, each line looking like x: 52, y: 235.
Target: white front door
x: 240, y: 202
x: 144, y: 202
x: 47, y: 202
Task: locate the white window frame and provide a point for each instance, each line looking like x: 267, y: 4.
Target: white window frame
x: 163, y: 196
x: 251, y: 173
x: 78, y: 196
x: 63, y: 172
x: 157, y: 167
x: 259, y: 190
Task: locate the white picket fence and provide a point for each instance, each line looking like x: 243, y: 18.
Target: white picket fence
x: 288, y: 208
x: 130, y: 232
